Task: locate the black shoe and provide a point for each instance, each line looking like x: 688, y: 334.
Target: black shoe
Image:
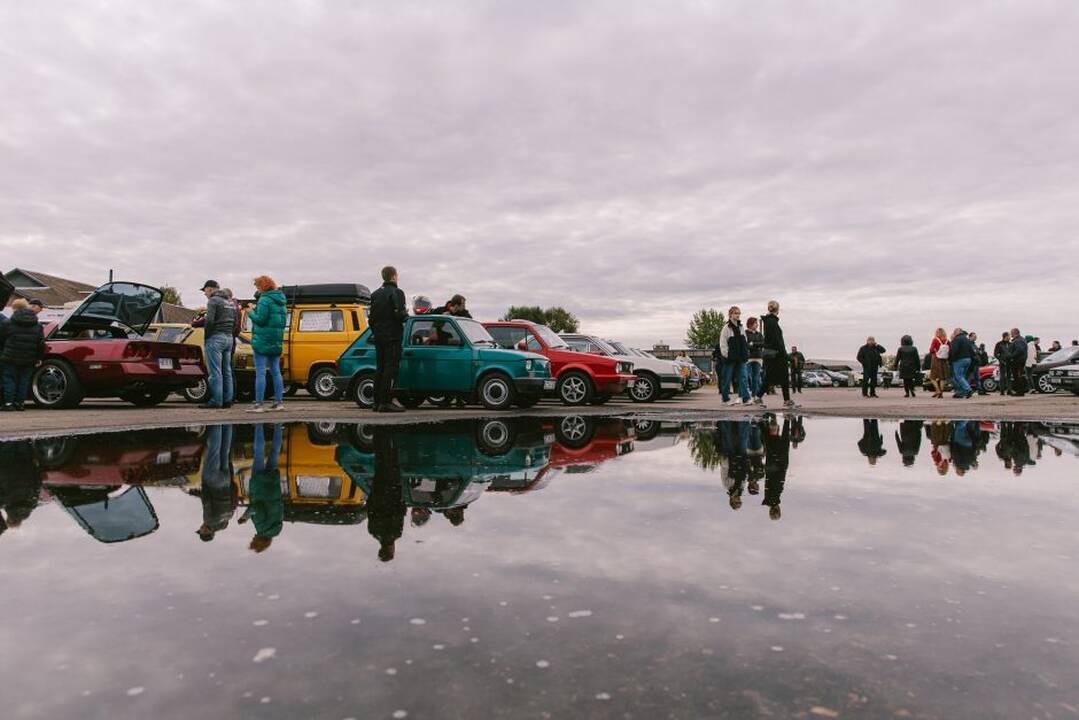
x: 226, y: 406
x: 392, y: 408
x: 209, y: 406
x: 873, y: 395
x: 20, y: 407
x: 7, y: 408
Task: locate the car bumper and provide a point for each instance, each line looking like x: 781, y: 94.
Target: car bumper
x: 616, y: 385
x: 101, y: 376
x: 533, y: 386
x: 1064, y: 382
x: 670, y: 382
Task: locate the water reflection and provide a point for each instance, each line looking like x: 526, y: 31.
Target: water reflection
x: 346, y: 474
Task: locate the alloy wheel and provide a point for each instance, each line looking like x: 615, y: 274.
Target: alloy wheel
x: 50, y: 385
x: 574, y: 427
x: 574, y: 390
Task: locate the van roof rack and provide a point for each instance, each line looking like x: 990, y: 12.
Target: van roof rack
x: 341, y: 293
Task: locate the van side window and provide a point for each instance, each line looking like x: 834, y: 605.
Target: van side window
x: 322, y: 321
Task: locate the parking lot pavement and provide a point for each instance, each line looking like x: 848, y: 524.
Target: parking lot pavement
x: 95, y: 415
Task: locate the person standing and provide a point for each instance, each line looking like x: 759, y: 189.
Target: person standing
x: 1033, y: 352
x: 869, y: 355
x: 754, y: 372
x: 5, y: 328
x: 798, y: 364
x: 218, y: 326
x: 1001, y: 351
x: 24, y: 347
x: 268, y: 320
x: 938, y: 363
x: 735, y: 352
x: 907, y: 363
x: 774, y: 352
x: 388, y: 316
x: 1017, y: 357
x: 961, y: 356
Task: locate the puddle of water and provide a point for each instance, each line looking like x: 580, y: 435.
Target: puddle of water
x: 533, y: 568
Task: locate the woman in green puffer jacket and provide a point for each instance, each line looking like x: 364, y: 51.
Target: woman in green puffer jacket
x: 267, y: 333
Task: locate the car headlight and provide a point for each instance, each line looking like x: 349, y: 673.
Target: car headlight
x: 623, y: 368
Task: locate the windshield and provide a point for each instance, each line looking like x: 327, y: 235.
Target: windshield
x: 475, y: 332
x: 606, y: 347
x: 622, y: 349
x: 550, y: 337
x: 1062, y: 355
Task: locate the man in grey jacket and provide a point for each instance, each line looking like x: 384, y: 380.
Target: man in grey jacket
x: 217, y: 345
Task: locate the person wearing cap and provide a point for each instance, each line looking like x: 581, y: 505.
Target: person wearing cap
x: 218, y: 325
x: 36, y: 306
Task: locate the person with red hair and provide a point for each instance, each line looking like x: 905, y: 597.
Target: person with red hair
x: 268, y: 320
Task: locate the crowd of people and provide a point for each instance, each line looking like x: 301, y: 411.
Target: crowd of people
x: 755, y: 359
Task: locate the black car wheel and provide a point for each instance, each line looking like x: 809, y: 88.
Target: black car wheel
x: 574, y: 388
x: 321, y: 384
x: 496, y: 391
x: 363, y: 390
x: 645, y: 389
x: 574, y: 431
x: 55, y: 386
x: 495, y: 437
x: 990, y: 384
x: 1044, y: 386
x: 197, y: 393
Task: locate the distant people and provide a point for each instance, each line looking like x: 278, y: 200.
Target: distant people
x: 218, y: 327
x: 421, y: 305
x: 1055, y: 346
x: 1018, y: 360
x: 1002, y: 352
x: 798, y: 431
x: 218, y: 492
x: 798, y: 366
x: 908, y: 361
x: 961, y: 356
x: 754, y: 368
x: 36, y: 306
x: 974, y: 376
x: 908, y: 438
x: 870, y: 356
x: 774, y: 352
x: 1033, y: 351
x: 939, y: 369
x: 387, y: 319
x: 872, y: 443
x: 268, y: 320
x: 266, y: 506
x: 456, y: 306
x: 776, y: 461
x: 385, y: 505
x: 23, y: 348
x: 735, y: 353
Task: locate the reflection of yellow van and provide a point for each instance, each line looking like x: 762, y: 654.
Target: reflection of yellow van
x: 323, y: 320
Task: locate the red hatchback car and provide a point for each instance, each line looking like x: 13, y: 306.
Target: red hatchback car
x: 90, y: 352
x: 582, y: 378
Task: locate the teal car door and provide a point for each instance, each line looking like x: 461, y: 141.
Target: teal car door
x: 435, y: 357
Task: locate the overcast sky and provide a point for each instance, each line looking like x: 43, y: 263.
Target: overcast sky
x: 876, y: 167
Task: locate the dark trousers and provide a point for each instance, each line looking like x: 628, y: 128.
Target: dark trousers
x: 1019, y: 378
x: 1005, y: 378
x: 908, y: 386
x: 797, y: 383
x: 776, y: 370
x: 17, y: 383
x: 869, y: 384
x: 387, y: 364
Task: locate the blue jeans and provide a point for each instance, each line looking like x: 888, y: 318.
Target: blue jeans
x: 959, y: 376
x: 736, y: 371
x: 17, y: 383
x: 273, y: 362
x: 218, y: 350
x: 261, y: 461
x: 755, y: 378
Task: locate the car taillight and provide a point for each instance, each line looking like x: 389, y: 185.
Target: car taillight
x: 138, y: 350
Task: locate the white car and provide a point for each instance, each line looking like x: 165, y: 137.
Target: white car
x: 655, y: 377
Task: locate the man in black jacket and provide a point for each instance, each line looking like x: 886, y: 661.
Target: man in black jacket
x: 869, y: 355
x: 1017, y: 362
x: 798, y: 364
x: 24, y: 347
x: 1002, y: 352
x: 388, y: 316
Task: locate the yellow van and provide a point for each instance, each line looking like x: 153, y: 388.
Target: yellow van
x: 323, y: 320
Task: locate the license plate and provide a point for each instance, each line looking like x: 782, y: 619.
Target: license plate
x: 548, y: 439
x: 165, y: 363
x: 549, y: 384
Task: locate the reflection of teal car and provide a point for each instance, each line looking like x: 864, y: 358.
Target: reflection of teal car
x: 451, y: 465
x: 445, y: 355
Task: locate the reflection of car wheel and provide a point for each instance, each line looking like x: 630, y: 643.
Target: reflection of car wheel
x: 495, y: 437
x: 321, y: 384
x: 411, y: 400
x: 600, y: 399
x: 574, y: 388
x: 1044, y: 386
x: 196, y: 393
x: 146, y: 398
x: 55, y: 386
x: 363, y: 438
x: 322, y: 433
x: 54, y: 452
x: 526, y: 401
x: 363, y: 390
x: 496, y: 391
x: 646, y: 429
x: 574, y: 431
x: 645, y: 389
x: 990, y: 384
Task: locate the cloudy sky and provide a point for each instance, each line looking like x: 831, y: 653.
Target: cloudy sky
x: 877, y: 167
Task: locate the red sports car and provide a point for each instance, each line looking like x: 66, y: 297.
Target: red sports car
x: 582, y: 378
x: 88, y: 352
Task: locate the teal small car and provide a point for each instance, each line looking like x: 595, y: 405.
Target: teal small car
x: 444, y: 356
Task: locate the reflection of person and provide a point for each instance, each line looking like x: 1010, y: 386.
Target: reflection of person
x: 908, y: 438
x: 20, y: 483
x: 386, y: 506
x: 266, y: 509
x: 940, y: 434
x: 777, y: 458
x: 872, y: 443
x: 736, y: 439
x: 963, y: 452
x: 756, y: 456
x: 217, y: 491
x: 798, y: 431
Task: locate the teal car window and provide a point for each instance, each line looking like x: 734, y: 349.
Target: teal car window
x: 434, y: 332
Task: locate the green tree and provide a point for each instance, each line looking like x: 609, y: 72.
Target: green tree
x: 557, y: 318
x: 703, y: 450
x: 171, y: 295
x: 704, y: 328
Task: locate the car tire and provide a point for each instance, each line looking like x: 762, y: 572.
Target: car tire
x: 645, y: 388
x: 55, y: 386
x: 322, y: 433
x: 1043, y: 385
x: 146, y: 398
x: 601, y: 399
x: 53, y: 453
x: 496, y: 391
x: 574, y: 431
x: 291, y: 390
x: 990, y: 384
x: 362, y: 437
x: 495, y: 437
x: 321, y: 384
x: 362, y: 390
x: 526, y: 401
x: 646, y: 429
x: 197, y: 393
x: 411, y: 400
x: 574, y: 388
x: 442, y: 401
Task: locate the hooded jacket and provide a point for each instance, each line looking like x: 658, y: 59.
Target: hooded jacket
x: 907, y: 361
x: 23, y: 339
x: 220, y: 315
x: 732, y: 343
x: 268, y: 321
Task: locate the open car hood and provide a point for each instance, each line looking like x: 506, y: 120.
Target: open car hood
x: 6, y: 290
x: 131, y: 305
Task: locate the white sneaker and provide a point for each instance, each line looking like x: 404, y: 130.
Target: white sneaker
x: 278, y: 406
x: 759, y: 401
x: 256, y: 409
x: 728, y: 402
